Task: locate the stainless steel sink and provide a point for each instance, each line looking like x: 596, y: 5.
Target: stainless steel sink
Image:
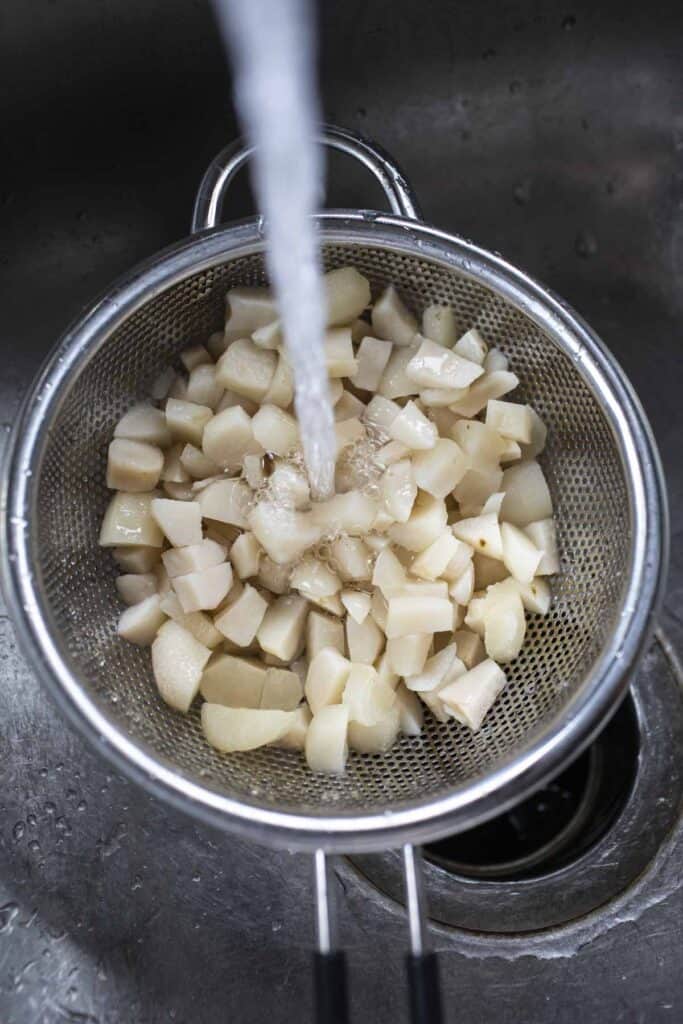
x: 551, y: 132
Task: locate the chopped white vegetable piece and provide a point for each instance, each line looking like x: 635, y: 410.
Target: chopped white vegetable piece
x: 283, y: 533
x: 204, y: 590
x: 504, y: 623
x: 436, y: 398
x: 487, y: 571
x: 137, y: 558
x: 347, y: 293
x: 226, y: 501
x: 395, y: 382
x: 407, y: 655
x: 353, y: 513
x: 295, y: 737
x: 388, y: 573
x: 433, y: 701
x: 172, y: 470
x: 275, y: 430
x: 493, y: 503
x: 242, y: 619
x: 231, y: 729
x: 246, y: 369
x: 197, y: 623
x: 482, y: 533
x: 129, y: 521
x: 348, y: 407
x: 399, y: 490
x: 535, y: 596
x: 509, y: 420
x: 461, y: 590
x: 376, y: 738
x: 412, y: 428
x: 495, y: 360
x: 228, y: 437
x: 181, y: 521
x: 326, y: 740
x: 339, y: 357
x: 418, y: 615
x: 427, y: 521
x: 203, y: 388
x: 282, y: 631
x: 245, y: 555
x: 252, y: 469
x: 372, y: 356
x: 233, y: 681
x: 459, y: 561
x: 323, y: 631
x: 247, y: 309
x: 472, y: 346
x: 135, y: 587
x: 410, y: 712
x: 527, y: 497
x: 288, y: 485
x: 282, y: 689
x: 351, y: 558
x: 357, y: 604
x: 179, y: 492
x: 511, y: 453
x: 471, y: 695
x: 391, y: 453
x: 367, y: 698
x: 434, y: 366
x: 144, y: 423
x: 476, y: 487
x: 196, y: 464
x: 380, y: 413
x: 434, y: 672
x: 491, y: 385
x: 439, y: 470
x: 186, y: 420
x: 365, y: 640
x: 314, y: 579
x: 520, y: 556
x: 543, y: 535
x: 480, y: 441
x: 438, y: 324
x: 281, y: 390
x: 391, y: 319
x: 348, y: 432
x: 178, y: 661
x: 474, y: 619
x: 423, y: 588
x: 272, y: 576
x: 268, y: 336
x: 379, y: 608
x: 133, y: 465
x: 140, y: 622
x: 539, y: 434
x: 443, y: 418
x: 327, y: 674
x: 432, y: 562
x: 469, y: 647
x: 193, y: 558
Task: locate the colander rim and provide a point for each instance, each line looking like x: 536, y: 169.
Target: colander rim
x: 549, y: 748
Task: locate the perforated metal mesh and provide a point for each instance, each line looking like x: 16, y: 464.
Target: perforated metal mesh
x: 585, y: 476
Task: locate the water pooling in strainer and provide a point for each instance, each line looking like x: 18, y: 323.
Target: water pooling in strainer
x: 272, y: 48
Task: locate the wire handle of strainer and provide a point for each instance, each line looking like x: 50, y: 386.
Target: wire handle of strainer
x: 329, y: 962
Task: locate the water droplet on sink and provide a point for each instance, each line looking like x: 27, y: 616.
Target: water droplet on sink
x: 8, y: 914
x: 18, y: 831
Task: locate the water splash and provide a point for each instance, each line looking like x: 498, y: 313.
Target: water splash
x: 272, y: 46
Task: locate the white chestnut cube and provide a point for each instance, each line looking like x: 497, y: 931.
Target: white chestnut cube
x: 186, y: 420
x: 380, y: 413
x: 391, y: 319
x: 509, y: 420
x: 202, y: 386
x: 493, y: 384
x: 407, y: 655
x: 146, y: 424
x: 233, y: 681
x: 366, y: 697
x: 412, y: 428
x: 135, y: 587
x: 365, y: 640
x: 352, y: 559
x: 181, y: 521
x: 527, y: 498
x: 326, y: 740
x: 283, y: 533
x: 226, y: 501
x: 228, y: 437
x: 245, y: 555
x: 410, y: 714
x: 247, y: 309
x: 439, y: 470
x: 372, y: 357
x: 543, y: 535
x: 282, y: 630
x: 357, y: 603
x: 469, y: 697
x: 193, y: 558
x: 327, y: 674
x: 481, y: 533
x: 438, y: 324
x: 339, y: 356
x: 347, y: 294
x: 241, y: 620
x: 399, y: 490
x: 246, y: 369
x: 203, y: 590
x: 295, y: 737
x: 418, y: 615
x: 275, y: 430
x: 472, y: 346
x: 395, y: 382
x: 323, y: 631
x: 129, y: 521
x: 434, y: 366
x: 232, y: 729
x: 133, y: 465
x: 427, y: 522
x: 282, y: 689
x: 520, y: 556
x: 178, y: 661
x: 352, y: 513
x: 140, y: 623
x: 378, y: 737
x: 434, y: 560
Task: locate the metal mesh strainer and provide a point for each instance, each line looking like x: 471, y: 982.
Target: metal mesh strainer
x: 600, y: 463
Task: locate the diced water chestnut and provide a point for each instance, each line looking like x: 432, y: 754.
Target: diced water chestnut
x: 378, y: 737
x: 186, y: 420
x: 434, y: 366
x: 410, y: 714
x: 509, y: 420
x: 347, y: 295
x: 407, y: 654
x: 412, y: 428
x: 193, y: 558
x: 395, y: 382
x: 339, y: 355
x: 246, y: 369
x: 129, y: 521
x: 241, y: 620
x: 282, y: 689
x: 178, y: 660
x: 328, y: 672
x: 372, y: 357
x: 135, y: 587
x: 245, y: 555
x: 438, y: 324
x: 527, y: 498
x: 469, y: 697
x: 326, y: 740
x: 391, y: 319
x: 133, y: 465
x: 233, y: 681
x: 472, y: 346
x: 543, y: 536
x: 247, y: 309
x: 140, y: 623
x: 282, y: 631
x: 357, y: 603
x: 323, y: 631
x: 365, y: 640
x: 203, y: 590
x: 232, y: 729
x: 440, y: 469
x: 295, y: 737
x: 144, y: 423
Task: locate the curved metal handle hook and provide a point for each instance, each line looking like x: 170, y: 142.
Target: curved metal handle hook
x: 222, y: 170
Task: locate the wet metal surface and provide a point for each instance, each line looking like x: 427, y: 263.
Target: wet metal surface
x: 549, y: 131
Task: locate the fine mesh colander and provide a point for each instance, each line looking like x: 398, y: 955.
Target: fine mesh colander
x: 600, y: 463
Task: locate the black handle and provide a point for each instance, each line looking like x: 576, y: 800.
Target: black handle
x: 424, y: 989
x: 331, y: 1000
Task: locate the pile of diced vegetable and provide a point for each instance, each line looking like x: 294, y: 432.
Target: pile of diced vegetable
x: 323, y: 626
